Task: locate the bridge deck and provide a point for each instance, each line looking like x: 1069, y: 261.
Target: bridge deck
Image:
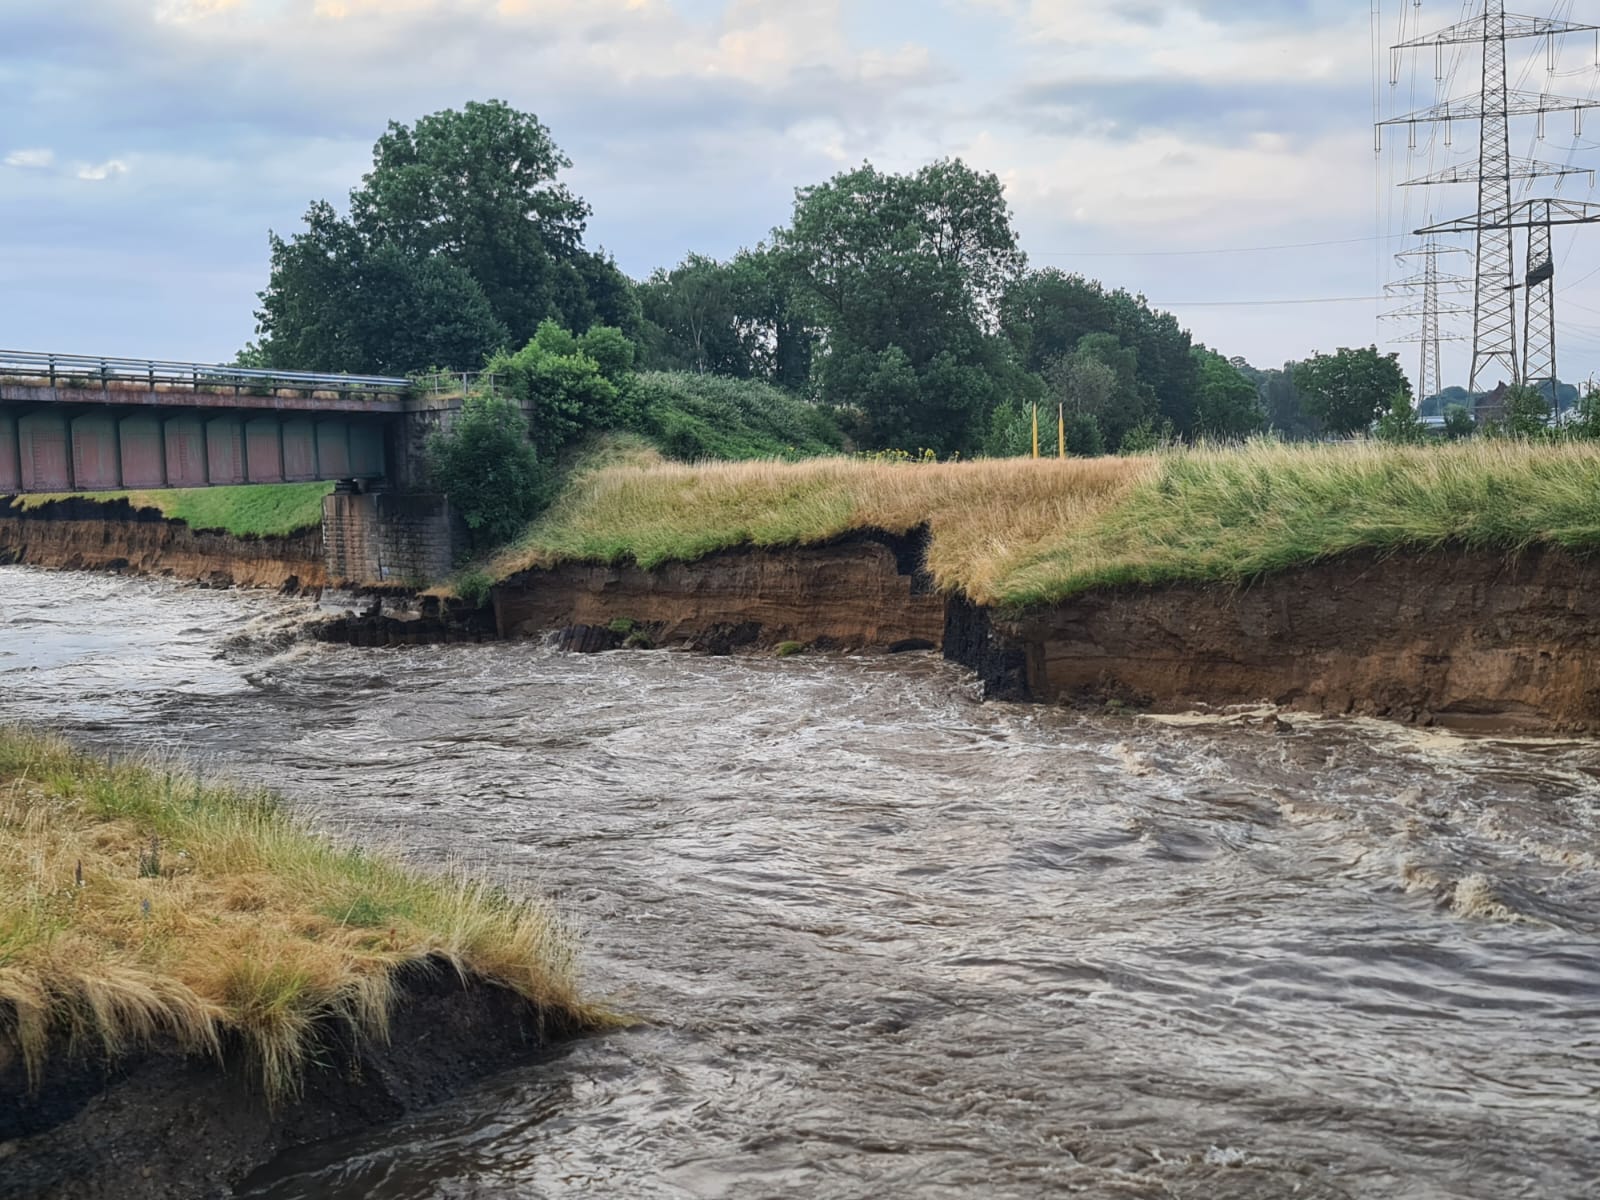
x: 72, y: 423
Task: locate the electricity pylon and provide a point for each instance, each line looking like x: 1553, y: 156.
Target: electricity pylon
x: 1494, y: 319
x: 1429, y: 283
x: 1538, y: 217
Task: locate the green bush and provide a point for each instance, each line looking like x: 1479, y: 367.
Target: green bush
x: 569, y: 385
x: 484, y: 463
x: 1527, y: 413
x: 708, y: 416
x: 1400, y: 425
x: 1458, y: 422
x: 473, y: 587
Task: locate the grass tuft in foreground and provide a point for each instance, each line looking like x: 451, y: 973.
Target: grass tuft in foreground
x: 1021, y: 532
x: 138, y: 901
x: 254, y: 510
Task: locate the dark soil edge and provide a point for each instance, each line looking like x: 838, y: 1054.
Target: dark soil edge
x: 160, y: 1125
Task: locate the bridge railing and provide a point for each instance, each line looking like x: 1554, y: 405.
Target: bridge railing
x: 80, y: 370
x: 457, y: 383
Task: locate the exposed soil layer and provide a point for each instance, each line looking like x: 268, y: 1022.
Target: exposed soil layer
x: 158, y: 1124
x: 1454, y: 637
x: 1449, y: 637
x: 866, y: 592
x: 93, y: 535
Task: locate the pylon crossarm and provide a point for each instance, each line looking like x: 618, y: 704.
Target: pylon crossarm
x: 1472, y: 108
x: 1525, y: 215
x: 1473, y: 31
x: 1521, y: 168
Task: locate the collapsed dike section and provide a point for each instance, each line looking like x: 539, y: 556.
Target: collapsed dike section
x: 77, y: 534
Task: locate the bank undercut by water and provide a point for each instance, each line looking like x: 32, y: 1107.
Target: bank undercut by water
x: 149, y: 916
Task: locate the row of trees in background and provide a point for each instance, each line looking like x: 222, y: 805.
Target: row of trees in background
x: 898, y: 305
x: 901, y: 303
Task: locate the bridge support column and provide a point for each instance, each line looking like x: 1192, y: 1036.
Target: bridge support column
x: 389, y: 537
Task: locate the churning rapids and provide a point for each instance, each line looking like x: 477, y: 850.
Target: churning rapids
x: 890, y: 941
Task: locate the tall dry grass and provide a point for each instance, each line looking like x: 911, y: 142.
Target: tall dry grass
x: 986, y: 517
x: 137, y: 901
x: 1022, y: 532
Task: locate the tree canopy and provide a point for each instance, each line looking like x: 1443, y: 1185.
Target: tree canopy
x: 1350, y: 389
x: 905, y: 275
x: 899, y: 302
x: 459, y: 240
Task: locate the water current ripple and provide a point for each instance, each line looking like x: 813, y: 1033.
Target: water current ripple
x: 892, y: 942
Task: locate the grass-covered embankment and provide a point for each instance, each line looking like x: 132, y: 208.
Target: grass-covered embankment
x: 1019, y: 532
x: 254, y: 510
x: 138, y: 902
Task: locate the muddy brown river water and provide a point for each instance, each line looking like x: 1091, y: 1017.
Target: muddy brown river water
x: 890, y: 941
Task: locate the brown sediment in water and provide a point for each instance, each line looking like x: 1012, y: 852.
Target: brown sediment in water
x: 162, y: 1125
x: 112, y: 535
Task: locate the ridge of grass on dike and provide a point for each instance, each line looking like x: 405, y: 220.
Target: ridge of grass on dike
x: 1023, y: 532
x: 139, y: 902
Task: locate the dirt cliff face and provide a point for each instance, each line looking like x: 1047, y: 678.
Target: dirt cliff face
x: 867, y: 593
x: 1454, y: 637
x: 99, y: 536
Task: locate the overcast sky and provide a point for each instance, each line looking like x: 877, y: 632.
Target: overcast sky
x: 146, y: 146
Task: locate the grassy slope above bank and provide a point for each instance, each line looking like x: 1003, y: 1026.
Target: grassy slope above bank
x: 136, y: 901
x: 255, y: 510
x: 1020, y: 532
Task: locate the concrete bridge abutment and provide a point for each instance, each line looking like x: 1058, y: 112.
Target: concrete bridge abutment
x: 408, y: 539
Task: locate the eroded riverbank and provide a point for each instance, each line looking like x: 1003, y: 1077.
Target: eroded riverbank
x: 79, y: 534
x: 1467, y: 639
x: 896, y: 942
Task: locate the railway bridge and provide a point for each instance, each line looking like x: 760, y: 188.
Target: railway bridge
x: 76, y: 423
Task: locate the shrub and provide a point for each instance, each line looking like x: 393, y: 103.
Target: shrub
x: 484, y: 463
x: 1400, y: 425
x: 473, y: 587
x: 1585, y: 422
x: 1527, y: 413
x: 1458, y: 422
x: 569, y: 385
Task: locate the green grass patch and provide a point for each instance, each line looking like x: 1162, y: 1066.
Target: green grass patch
x: 253, y: 510
x: 693, y: 417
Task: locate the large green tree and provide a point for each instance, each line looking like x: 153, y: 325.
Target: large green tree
x: 459, y: 240
x: 1047, y: 314
x: 739, y: 318
x: 1348, y: 390
x: 903, y: 275
x: 1227, y: 403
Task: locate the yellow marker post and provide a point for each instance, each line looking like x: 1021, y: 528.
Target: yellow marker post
x: 1061, y: 430
x: 1036, y: 430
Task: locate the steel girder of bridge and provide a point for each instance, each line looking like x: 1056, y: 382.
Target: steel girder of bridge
x: 88, y: 425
